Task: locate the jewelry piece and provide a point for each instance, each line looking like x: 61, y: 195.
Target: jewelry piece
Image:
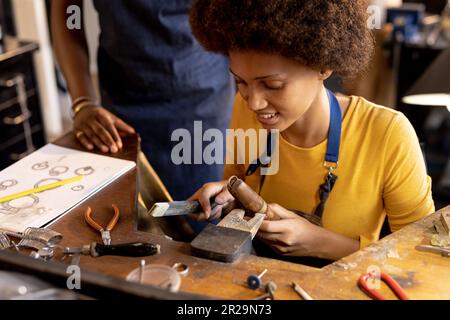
x: 181, y: 268
x: 76, y: 109
x: 79, y: 134
x: 80, y: 99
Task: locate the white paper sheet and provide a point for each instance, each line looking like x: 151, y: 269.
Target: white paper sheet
x: 50, y: 164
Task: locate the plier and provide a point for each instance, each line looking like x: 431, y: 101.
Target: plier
x: 105, y: 232
x: 392, y: 284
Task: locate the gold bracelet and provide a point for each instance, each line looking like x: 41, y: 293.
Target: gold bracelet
x: 80, y: 99
x: 80, y: 106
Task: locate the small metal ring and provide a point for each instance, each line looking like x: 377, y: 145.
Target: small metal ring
x: 79, y: 134
x: 181, y: 268
x: 330, y: 165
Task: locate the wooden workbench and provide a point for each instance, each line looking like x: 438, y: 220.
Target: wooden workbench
x: 422, y: 275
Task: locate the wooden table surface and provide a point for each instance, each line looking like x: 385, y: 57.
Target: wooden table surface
x: 422, y: 275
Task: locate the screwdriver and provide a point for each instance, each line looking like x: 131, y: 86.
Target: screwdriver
x: 135, y: 249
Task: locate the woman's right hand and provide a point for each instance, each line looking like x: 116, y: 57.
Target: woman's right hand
x: 213, y: 190
x: 94, y: 126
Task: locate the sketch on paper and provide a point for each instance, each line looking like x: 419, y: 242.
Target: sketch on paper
x: 14, y: 206
x: 7, y: 184
x: 40, y: 166
x: 48, y: 165
x: 45, y: 182
x: 56, y: 171
x: 23, y: 207
x: 85, y: 171
x: 77, y: 188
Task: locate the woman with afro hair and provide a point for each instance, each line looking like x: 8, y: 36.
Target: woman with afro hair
x: 346, y: 161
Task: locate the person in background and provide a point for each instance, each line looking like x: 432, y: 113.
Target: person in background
x: 343, y: 159
x: 154, y: 78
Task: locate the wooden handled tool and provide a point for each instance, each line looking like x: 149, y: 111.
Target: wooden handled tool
x: 254, y: 203
x: 247, y: 197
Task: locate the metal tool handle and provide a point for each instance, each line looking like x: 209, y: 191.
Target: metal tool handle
x: 136, y: 249
x: 177, y: 208
x: 192, y: 206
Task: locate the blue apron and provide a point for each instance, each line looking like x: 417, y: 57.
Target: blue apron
x: 155, y: 76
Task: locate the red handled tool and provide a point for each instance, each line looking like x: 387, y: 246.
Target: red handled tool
x: 392, y: 284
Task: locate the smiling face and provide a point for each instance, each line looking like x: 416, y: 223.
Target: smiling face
x: 279, y: 90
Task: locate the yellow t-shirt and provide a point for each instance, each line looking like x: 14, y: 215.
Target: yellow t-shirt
x: 381, y: 171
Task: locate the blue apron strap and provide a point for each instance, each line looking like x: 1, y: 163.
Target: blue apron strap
x: 267, y: 157
x: 332, y: 155
x: 334, y: 133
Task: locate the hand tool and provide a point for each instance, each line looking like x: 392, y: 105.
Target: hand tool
x: 271, y: 287
x: 177, y: 208
x: 392, y: 284
x: 254, y: 281
x: 75, y: 261
x: 445, y: 252
x: 229, y: 239
x: 105, y: 232
x: 40, y: 189
x: 233, y: 235
x: 301, y: 292
x: 253, y: 202
x: 36, y: 238
x: 249, y: 199
x: 136, y: 249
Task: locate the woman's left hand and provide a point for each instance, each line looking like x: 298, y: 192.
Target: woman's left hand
x: 288, y: 233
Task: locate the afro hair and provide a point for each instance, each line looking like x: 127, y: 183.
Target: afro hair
x: 321, y: 34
